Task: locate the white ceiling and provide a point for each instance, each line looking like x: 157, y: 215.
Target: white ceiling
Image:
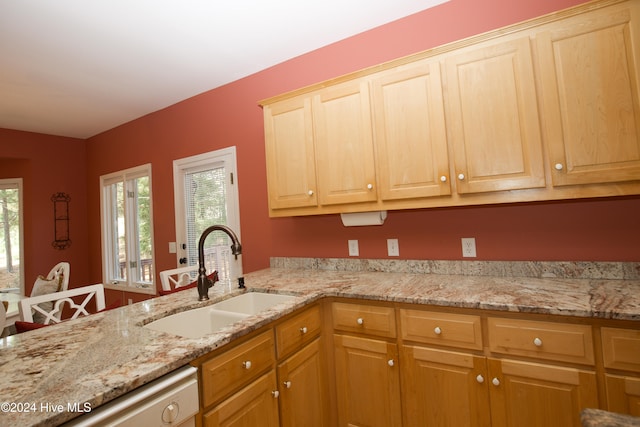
x: 80, y: 67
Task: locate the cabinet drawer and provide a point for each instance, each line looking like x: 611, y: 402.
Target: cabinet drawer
x: 365, y: 319
x: 297, y: 331
x: 456, y: 330
x: 233, y: 369
x: 544, y: 340
x: 621, y: 349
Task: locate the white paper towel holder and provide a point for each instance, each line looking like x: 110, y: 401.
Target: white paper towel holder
x: 358, y: 219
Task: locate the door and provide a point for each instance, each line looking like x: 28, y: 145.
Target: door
x: 206, y: 193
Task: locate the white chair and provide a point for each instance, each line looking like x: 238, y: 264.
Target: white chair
x: 32, y: 305
x: 61, y: 272
x: 178, y: 277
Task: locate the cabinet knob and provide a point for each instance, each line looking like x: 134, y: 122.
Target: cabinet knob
x: 287, y: 384
x: 558, y: 166
x: 369, y: 186
x: 443, y: 178
x: 461, y: 176
x: 495, y: 382
x: 310, y: 192
x: 537, y: 342
x: 437, y: 330
x: 275, y: 394
x: 480, y: 378
x: 246, y: 364
x: 360, y: 321
x: 390, y: 362
x: 303, y: 330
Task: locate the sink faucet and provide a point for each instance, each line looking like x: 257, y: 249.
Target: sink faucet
x: 204, y: 283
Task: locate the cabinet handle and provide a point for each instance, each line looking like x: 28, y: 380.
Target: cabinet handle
x: 287, y: 384
x: 360, y: 321
x: 480, y: 378
x: 495, y: 382
x: 369, y: 186
x: 461, y: 176
x: 310, y: 192
x: 275, y: 394
x: 537, y: 342
x: 390, y: 362
x: 559, y: 166
x: 246, y: 364
x: 443, y: 178
x: 437, y: 330
x: 303, y: 330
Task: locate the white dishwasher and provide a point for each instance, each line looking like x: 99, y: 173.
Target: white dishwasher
x: 171, y: 400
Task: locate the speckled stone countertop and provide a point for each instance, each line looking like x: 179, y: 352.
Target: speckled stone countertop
x: 103, y: 356
x: 599, y: 418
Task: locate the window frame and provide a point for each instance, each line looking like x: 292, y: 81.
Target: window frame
x: 17, y: 183
x: 131, y: 284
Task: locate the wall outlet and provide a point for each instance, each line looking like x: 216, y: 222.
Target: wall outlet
x: 392, y: 247
x: 469, y: 247
x: 353, y: 248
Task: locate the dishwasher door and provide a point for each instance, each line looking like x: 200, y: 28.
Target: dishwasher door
x: 171, y: 400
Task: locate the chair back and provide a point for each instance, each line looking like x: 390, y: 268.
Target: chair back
x: 3, y: 316
x: 52, y: 312
x: 178, y: 277
x: 61, y: 269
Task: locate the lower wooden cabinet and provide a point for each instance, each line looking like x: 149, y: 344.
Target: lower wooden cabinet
x: 443, y: 388
x: 367, y: 382
x: 302, y: 388
x: 527, y: 394
x: 254, y: 405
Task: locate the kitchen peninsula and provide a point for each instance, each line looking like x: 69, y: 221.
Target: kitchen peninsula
x: 99, y: 358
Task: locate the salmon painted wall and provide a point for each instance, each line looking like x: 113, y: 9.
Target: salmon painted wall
x: 48, y: 165
x: 605, y: 229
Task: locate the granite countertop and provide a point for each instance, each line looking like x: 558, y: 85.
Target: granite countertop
x: 101, y: 357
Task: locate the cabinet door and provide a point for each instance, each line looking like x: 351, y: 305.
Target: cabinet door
x: 254, y: 405
x: 492, y: 118
x: 302, y: 396
x: 529, y: 394
x: 367, y: 382
x: 411, y: 141
x: 444, y: 388
x: 590, y: 89
x: 344, y: 144
x: 623, y: 394
x: 291, y: 169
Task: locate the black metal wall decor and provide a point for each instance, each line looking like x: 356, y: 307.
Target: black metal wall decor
x: 61, y: 220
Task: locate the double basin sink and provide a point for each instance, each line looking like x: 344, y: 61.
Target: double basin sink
x: 203, y: 321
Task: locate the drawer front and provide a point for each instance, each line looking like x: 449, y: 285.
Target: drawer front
x: 233, y: 369
x: 455, y: 330
x: 298, y: 331
x: 365, y: 319
x: 621, y: 349
x: 543, y: 340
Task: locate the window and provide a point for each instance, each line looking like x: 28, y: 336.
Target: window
x: 206, y: 193
x: 127, y: 230
x: 11, y: 236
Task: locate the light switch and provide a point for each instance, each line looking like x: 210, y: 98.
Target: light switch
x: 392, y: 247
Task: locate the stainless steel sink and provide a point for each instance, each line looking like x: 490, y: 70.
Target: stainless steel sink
x: 203, y: 321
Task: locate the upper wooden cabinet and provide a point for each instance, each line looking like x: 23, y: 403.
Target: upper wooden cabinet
x: 344, y: 144
x: 548, y: 109
x: 409, y: 127
x: 493, y: 118
x: 291, y: 166
x: 589, y: 86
